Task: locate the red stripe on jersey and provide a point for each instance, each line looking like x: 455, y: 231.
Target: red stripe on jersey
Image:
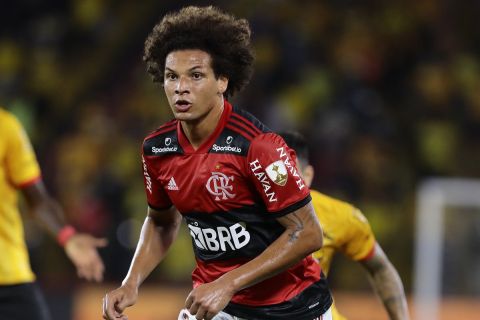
x: 277, y: 289
x: 169, y: 126
x: 29, y: 182
x: 370, y: 254
x: 246, y: 122
x: 246, y: 135
x: 166, y: 129
x: 169, y: 123
x: 244, y: 127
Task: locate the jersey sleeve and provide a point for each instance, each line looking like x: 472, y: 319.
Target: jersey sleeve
x: 275, y: 176
x: 157, y: 198
x: 360, y: 241
x: 21, y: 162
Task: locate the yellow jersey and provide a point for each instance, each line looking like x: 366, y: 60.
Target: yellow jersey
x: 345, y: 230
x: 18, y: 168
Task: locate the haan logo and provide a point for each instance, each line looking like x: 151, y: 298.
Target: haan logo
x: 148, y: 180
x: 172, y: 185
x: 220, y: 238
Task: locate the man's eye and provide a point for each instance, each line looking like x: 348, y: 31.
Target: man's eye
x: 170, y: 76
x: 197, y: 75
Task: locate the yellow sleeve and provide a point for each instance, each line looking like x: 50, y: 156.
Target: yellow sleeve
x: 359, y: 241
x: 21, y: 163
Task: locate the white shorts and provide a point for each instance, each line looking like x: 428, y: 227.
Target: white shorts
x: 185, y: 315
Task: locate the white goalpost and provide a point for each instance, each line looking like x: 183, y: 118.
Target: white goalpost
x: 433, y: 197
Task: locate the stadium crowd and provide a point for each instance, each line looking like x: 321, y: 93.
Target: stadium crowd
x: 387, y: 93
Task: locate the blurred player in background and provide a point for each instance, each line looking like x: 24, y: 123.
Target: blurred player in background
x: 346, y: 230
x: 248, y: 210
x: 20, y: 297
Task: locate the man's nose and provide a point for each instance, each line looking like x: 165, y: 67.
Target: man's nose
x: 183, y: 86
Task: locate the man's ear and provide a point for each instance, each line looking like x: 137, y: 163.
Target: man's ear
x: 222, y: 82
x: 308, y: 173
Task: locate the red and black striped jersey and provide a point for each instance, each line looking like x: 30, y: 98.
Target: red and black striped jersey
x: 230, y: 191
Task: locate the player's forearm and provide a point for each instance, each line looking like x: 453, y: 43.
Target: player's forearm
x: 298, y: 241
x: 152, y: 247
x: 49, y: 213
x: 388, y: 285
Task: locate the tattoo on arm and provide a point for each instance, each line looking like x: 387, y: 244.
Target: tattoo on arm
x: 388, y: 285
x: 298, y: 226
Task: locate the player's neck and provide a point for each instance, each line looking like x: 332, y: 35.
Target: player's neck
x: 198, y: 131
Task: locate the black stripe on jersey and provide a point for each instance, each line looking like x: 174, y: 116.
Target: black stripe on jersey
x: 239, y: 131
x: 163, y: 128
x: 237, y: 233
x: 310, y: 304
x: 166, y: 129
x: 250, y: 120
x: 162, y: 143
x: 168, y: 124
x: 291, y: 208
x: 230, y: 142
x: 244, y: 128
x: 243, y: 123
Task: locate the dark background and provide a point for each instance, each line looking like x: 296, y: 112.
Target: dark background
x: 386, y: 92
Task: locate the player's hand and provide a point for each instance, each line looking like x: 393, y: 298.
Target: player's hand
x: 115, y: 302
x: 82, y: 250
x: 207, y: 300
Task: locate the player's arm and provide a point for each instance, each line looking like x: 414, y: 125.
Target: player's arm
x: 302, y: 236
x: 387, y: 284
x: 158, y: 232
x: 80, y: 248
x: 23, y: 171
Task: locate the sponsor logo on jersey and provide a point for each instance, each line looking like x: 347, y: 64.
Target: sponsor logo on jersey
x: 148, y: 180
x: 168, y: 141
x: 164, y: 149
x: 257, y: 170
x: 220, y: 238
x: 229, y: 139
x: 172, y: 185
x: 219, y: 186
x: 277, y: 173
x: 291, y: 167
x: 216, y: 147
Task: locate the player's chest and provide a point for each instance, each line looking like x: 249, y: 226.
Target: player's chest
x: 205, y: 182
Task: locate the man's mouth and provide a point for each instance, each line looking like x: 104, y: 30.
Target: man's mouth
x: 183, y: 105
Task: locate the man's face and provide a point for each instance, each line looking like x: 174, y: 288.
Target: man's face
x: 190, y: 84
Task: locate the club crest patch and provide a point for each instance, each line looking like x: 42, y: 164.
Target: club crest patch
x: 277, y: 172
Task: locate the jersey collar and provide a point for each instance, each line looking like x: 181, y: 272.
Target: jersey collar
x: 205, y: 146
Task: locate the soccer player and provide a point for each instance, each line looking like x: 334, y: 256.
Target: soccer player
x: 346, y: 230
x: 244, y: 202
x: 20, y: 297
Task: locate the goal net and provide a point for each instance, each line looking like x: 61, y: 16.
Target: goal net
x: 447, y: 243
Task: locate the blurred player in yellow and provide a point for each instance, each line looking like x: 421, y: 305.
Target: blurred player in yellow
x: 346, y: 230
x: 20, y: 297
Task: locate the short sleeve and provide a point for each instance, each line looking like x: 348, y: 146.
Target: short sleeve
x: 360, y: 242
x: 21, y: 162
x: 157, y: 198
x: 275, y: 176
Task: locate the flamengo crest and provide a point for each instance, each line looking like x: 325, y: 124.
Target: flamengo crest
x: 219, y: 186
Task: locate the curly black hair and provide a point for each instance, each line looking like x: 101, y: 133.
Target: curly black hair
x: 224, y: 37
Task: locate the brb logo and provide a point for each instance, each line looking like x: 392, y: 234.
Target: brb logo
x: 219, y: 238
x: 219, y: 186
